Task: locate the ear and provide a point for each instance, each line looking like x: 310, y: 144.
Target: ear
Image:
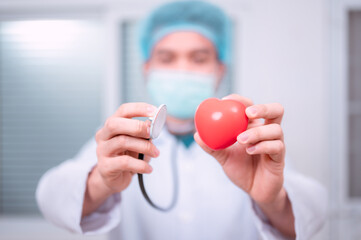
x: 146, y: 67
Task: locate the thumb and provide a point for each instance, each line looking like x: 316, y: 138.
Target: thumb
x: 200, y: 142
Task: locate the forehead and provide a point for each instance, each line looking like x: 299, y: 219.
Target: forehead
x: 184, y: 41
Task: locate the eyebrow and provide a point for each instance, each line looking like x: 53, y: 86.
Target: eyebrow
x: 200, y: 50
x: 203, y: 51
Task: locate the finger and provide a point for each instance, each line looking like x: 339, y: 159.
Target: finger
x: 132, y: 154
x: 272, y: 112
x: 246, y: 101
x: 123, y: 143
x: 136, y: 155
x: 274, y: 148
x: 128, y: 164
x: 124, y: 126
x: 265, y: 132
x: 147, y: 158
x: 130, y: 110
x: 255, y: 123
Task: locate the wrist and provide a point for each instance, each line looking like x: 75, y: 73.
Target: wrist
x: 96, y: 192
x: 277, y: 205
x: 96, y: 184
x: 279, y: 213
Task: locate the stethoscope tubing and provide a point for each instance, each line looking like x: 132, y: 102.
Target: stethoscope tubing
x: 175, y: 183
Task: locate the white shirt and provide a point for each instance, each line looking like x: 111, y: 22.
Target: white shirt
x: 209, y: 205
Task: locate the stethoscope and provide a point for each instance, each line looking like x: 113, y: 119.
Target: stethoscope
x: 157, y: 123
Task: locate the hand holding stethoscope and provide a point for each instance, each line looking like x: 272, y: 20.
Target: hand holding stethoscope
x: 119, y: 142
x: 124, y: 148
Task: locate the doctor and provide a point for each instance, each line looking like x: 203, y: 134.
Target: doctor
x: 242, y: 192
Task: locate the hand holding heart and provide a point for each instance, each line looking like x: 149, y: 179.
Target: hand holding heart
x: 219, y: 122
x: 255, y: 162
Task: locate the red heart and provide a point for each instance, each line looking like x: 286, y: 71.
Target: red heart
x: 219, y: 122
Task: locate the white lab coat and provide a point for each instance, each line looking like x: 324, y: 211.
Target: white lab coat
x: 209, y: 206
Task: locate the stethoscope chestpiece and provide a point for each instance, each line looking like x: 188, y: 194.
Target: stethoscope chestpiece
x: 158, y: 121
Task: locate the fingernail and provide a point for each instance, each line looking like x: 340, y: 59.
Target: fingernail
x: 156, y: 152
x: 243, y: 137
x: 251, y: 149
x: 148, y: 123
x: 251, y: 110
x: 150, y: 169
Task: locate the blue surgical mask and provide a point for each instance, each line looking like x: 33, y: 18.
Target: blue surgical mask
x: 181, y: 91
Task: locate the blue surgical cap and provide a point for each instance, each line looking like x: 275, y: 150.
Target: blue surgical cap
x: 201, y: 17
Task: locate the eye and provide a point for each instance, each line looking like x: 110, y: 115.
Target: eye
x: 200, y: 58
x: 164, y: 57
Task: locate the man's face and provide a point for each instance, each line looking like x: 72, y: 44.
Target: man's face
x: 188, y: 51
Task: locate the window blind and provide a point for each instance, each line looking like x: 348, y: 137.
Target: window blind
x: 50, y: 80
x: 354, y: 104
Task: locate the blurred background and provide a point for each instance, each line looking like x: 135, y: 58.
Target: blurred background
x: 66, y: 65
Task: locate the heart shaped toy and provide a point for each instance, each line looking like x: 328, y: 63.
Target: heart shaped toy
x: 219, y: 122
